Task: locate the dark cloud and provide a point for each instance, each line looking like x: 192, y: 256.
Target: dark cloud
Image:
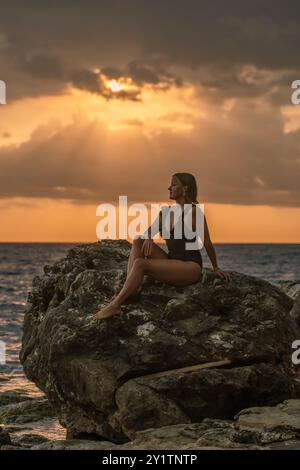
x: 247, y: 161
x: 146, y: 39
x: 142, y: 74
x: 87, y: 80
x: 112, y: 72
x: 41, y: 65
x: 47, y: 69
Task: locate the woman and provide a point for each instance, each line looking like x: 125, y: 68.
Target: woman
x: 178, y: 267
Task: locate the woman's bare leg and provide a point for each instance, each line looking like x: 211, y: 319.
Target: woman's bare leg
x: 174, y: 272
x: 136, y: 252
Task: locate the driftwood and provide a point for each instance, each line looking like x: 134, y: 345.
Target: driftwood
x: 182, y: 370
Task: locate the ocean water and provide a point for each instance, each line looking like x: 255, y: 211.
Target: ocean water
x: 20, y: 262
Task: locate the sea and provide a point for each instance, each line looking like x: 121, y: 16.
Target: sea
x: 20, y: 262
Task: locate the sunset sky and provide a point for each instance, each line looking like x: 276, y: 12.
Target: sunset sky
x: 109, y: 98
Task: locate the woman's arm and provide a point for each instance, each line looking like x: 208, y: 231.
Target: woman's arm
x: 149, y: 234
x: 210, y: 249
x: 152, y: 230
x: 211, y: 252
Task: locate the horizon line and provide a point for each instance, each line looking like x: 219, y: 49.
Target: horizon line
x: 89, y: 242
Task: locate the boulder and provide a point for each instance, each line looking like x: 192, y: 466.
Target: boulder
x: 175, y: 355
x: 291, y: 288
x: 295, y: 312
x: 258, y: 428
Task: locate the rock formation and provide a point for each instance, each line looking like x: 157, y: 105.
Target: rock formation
x: 113, y: 378
x: 270, y: 427
x: 295, y: 312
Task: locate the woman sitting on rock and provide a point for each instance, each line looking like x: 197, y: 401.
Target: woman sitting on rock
x: 178, y: 267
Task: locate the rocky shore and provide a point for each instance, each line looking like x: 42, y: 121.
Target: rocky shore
x: 204, y: 366
x: 257, y: 428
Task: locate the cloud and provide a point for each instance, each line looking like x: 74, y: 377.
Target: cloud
x: 41, y: 65
x: 136, y: 73
x: 133, y: 122
x: 94, y: 82
x: 3, y: 41
x: 86, y: 80
x: 241, y: 158
x: 240, y: 58
x: 145, y: 41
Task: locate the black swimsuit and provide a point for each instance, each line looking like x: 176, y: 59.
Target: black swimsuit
x: 176, y: 246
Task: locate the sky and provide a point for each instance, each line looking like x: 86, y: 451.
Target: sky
x: 110, y: 98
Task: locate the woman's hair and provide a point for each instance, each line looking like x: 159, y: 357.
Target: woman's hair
x: 187, y: 179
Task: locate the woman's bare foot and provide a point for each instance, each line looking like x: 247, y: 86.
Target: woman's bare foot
x: 108, y: 311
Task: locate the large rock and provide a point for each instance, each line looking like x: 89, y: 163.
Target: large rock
x: 291, y: 288
x: 207, y: 435
x: 270, y: 427
x: 295, y: 312
x: 268, y: 424
x: 105, y: 378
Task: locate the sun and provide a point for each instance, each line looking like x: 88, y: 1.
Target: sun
x: 114, y: 85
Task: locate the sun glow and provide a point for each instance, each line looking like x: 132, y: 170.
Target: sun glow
x: 175, y: 109
x: 114, y: 85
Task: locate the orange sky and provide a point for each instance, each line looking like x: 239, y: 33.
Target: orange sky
x: 84, y: 124
x: 46, y: 221
x: 53, y: 219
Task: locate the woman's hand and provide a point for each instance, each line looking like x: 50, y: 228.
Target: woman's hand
x: 147, y: 247
x: 222, y: 274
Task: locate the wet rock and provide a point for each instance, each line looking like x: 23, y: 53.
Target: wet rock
x: 76, y: 444
x: 209, y: 434
x: 29, y: 440
x: 7, y: 398
x: 255, y: 428
x: 34, y: 432
x: 265, y: 425
x: 291, y: 288
x: 27, y: 411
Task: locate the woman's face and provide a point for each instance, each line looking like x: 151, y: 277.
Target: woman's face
x: 176, y: 188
